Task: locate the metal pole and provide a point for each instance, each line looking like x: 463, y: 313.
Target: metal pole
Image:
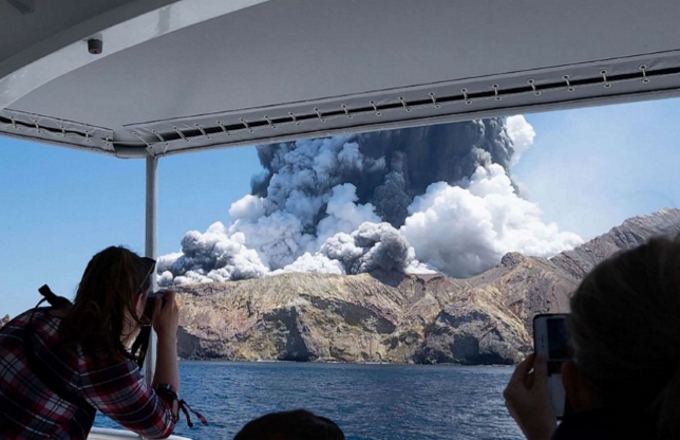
x: 150, y: 248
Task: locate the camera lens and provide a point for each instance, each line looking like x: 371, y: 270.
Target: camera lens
x: 151, y: 304
x: 95, y: 46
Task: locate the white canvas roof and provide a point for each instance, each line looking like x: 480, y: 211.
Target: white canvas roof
x: 190, y: 74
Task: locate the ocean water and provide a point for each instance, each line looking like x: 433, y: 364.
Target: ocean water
x: 369, y: 402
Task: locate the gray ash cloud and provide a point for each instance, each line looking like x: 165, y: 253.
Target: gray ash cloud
x: 416, y: 199
x: 397, y: 165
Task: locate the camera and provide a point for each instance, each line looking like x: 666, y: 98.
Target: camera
x: 95, y: 46
x: 151, y: 303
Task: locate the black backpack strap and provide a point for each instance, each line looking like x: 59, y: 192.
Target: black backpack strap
x: 58, y: 302
x: 141, y: 345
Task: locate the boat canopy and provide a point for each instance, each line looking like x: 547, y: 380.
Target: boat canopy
x: 154, y: 77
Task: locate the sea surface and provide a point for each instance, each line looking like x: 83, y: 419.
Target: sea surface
x: 369, y: 402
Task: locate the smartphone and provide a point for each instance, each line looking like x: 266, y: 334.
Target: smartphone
x: 552, y: 340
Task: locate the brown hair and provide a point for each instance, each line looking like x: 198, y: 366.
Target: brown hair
x: 298, y: 424
x: 625, y: 325
x: 109, y: 287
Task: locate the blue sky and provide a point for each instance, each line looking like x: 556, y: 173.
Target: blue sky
x: 588, y: 170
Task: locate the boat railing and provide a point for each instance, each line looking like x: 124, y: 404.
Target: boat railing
x: 118, y: 434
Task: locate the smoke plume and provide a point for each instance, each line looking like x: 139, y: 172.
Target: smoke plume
x: 436, y: 198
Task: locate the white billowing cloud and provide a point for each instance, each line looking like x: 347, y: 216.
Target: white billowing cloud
x: 358, y: 244
x: 313, y: 264
x: 372, y: 246
x: 330, y: 205
x: 419, y: 268
x: 283, y: 226
x: 214, y: 256
x: 165, y: 262
x: 522, y: 135
x: 278, y: 238
x: 307, y: 203
x: 248, y: 208
x: 463, y: 230
x: 343, y: 214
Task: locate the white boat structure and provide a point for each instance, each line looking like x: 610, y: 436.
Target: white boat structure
x: 149, y: 78
x: 117, y: 434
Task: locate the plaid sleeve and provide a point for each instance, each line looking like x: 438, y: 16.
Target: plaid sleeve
x: 120, y: 392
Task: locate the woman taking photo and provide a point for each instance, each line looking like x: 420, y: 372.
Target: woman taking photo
x: 59, y: 365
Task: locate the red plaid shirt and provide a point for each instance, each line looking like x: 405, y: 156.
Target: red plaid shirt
x: 29, y: 409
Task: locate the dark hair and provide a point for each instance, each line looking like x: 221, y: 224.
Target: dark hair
x: 298, y: 424
x: 109, y: 287
x: 625, y: 324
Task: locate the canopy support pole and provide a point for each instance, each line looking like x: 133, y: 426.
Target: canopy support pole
x: 150, y: 248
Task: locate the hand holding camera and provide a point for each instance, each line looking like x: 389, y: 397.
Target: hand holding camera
x: 163, y: 312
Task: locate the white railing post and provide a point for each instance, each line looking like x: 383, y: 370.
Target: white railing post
x: 150, y: 248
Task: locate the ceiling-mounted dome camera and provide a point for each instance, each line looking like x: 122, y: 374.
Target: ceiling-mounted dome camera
x: 95, y: 46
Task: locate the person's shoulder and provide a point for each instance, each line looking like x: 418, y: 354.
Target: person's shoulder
x: 604, y: 425
x: 23, y: 319
x: 27, y: 327
x: 585, y: 425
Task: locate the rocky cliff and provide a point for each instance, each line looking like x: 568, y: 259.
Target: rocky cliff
x: 374, y: 317
x: 628, y: 235
x: 392, y: 317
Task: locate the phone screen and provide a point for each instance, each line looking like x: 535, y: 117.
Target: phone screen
x: 552, y: 340
x: 558, y: 339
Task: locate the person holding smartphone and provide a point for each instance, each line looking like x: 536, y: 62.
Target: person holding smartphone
x: 624, y: 380
x: 60, y: 364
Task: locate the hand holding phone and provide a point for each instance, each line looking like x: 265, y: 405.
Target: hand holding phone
x: 553, y: 341
x: 528, y: 400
